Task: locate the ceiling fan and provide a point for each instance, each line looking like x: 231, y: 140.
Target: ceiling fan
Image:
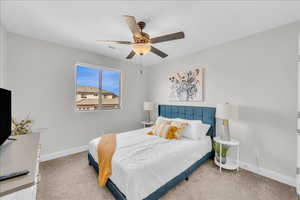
x: 142, y: 42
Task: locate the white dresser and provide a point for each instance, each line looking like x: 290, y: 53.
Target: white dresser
x: 20, y: 155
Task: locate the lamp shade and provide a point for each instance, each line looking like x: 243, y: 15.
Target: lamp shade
x: 148, y: 105
x: 227, y: 111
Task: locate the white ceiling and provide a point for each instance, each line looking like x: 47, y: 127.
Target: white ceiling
x: 79, y: 23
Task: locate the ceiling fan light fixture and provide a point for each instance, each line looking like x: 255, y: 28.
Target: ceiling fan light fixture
x: 141, y: 48
x: 142, y: 42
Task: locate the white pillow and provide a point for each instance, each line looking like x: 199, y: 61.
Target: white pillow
x: 204, y: 129
x: 161, y: 119
x: 196, y: 130
x: 188, y: 120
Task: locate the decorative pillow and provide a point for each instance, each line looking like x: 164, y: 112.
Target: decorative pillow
x: 150, y: 133
x: 162, y: 119
x: 171, y: 133
x: 195, y: 130
x: 164, y: 131
x: 158, y: 128
x: 180, y: 127
x: 192, y: 131
x: 168, y: 132
x: 204, y: 129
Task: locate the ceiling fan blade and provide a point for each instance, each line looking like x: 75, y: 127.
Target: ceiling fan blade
x: 158, y: 52
x: 165, y: 38
x: 114, y: 42
x: 131, y: 22
x: 130, y: 55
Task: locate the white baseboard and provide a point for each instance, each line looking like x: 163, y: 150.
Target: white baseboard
x: 261, y: 171
x: 270, y: 174
x: 63, y: 153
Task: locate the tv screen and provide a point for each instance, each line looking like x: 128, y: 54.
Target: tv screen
x: 5, y: 115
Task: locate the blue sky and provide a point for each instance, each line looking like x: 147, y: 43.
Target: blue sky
x: 90, y: 77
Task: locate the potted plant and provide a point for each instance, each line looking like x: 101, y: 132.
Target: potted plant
x: 217, y: 147
x: 22, y: 127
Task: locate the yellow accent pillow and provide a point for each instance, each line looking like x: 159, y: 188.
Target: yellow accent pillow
x: 172, y: 132
x: 150, y: 133
x: 180, y: 126
x: 163, y: 131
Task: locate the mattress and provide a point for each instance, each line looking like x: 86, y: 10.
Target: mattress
x: 143, y: 163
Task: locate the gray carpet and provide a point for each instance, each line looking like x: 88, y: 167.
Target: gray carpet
x: 71, y: 178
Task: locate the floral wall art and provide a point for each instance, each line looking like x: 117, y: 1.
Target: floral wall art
x: 187, y: 85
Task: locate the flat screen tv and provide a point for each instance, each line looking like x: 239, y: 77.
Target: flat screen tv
x: 5, y: 115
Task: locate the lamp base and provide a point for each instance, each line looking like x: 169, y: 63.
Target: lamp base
x: 226, y: 133
x: 148, y: 117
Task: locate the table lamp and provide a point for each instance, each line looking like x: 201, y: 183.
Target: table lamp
x: 226, y: 112
x: 148, y: 106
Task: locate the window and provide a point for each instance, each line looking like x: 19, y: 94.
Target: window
x: 97, y: 88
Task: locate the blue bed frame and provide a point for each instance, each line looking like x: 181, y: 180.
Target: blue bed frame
x: 206, y: 114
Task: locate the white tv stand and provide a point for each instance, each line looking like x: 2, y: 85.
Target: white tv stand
x: 20, y: 155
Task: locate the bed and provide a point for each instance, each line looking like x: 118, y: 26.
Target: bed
x: 151, y: 161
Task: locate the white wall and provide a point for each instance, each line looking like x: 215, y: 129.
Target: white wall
x: 298, y: 124
x: 2, y: 56
x: 41, y: 77
x: 259, y: 73
x: 1, y: 49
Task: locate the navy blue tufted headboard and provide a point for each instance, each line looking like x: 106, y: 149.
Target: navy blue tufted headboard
x: 206, y: 114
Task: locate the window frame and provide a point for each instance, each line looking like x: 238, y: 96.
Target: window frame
x: 97, y: 67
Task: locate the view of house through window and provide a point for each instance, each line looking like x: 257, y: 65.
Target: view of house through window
x: 97, y: 88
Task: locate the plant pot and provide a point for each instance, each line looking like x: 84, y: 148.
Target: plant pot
x: 223, y: 160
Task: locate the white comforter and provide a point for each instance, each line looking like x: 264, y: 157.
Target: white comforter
x: 143, y: 163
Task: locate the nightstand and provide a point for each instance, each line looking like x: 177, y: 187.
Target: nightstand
x: 230, y: 164
x: 147, y: 124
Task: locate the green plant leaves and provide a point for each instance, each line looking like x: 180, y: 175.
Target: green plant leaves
x: 217, y: 148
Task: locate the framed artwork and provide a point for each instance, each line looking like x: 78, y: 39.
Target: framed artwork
x: 187, y: 85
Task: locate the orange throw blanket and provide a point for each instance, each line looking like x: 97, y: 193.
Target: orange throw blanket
x: 106, y: 150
